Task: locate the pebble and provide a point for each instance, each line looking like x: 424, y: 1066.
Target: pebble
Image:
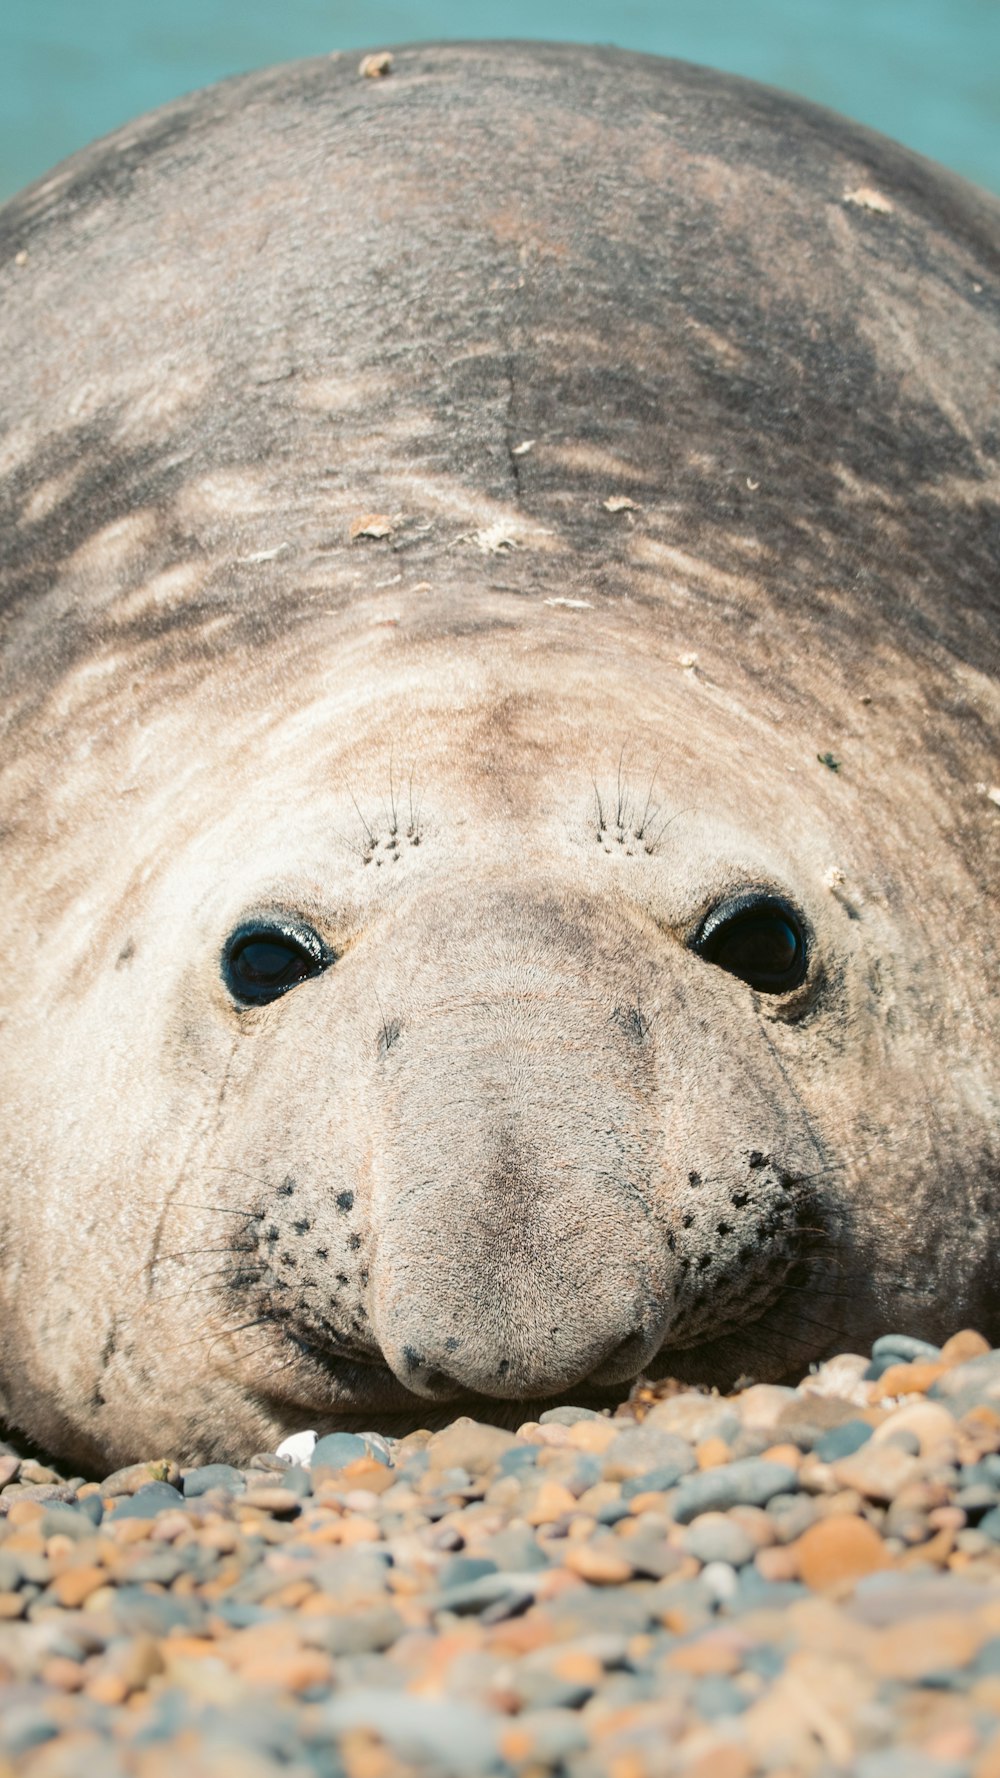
x: 774, y: 1583
x: 714, y: 1537
x: 213, y: 1475
x: 837, y: 1551
x: 337, y: 1450
x: 843, y: 1440
x: 749, y: 1482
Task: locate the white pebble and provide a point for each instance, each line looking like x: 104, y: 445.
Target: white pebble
x: 721, y: 1580
x: 298, y: 1449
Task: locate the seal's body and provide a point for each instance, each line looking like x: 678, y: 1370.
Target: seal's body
x: 499, y: 649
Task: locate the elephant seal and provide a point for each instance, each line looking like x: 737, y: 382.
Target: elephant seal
x: 500, y: 690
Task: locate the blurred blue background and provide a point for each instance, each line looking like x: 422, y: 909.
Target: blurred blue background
x: 925, y: 71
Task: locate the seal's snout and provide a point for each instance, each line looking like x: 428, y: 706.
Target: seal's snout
x: 493, y: 1284
x: 519, y: 1348
x: 509, y: 1370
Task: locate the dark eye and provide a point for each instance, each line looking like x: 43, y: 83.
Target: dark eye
x: 758, y: 938
x: 262, y: 961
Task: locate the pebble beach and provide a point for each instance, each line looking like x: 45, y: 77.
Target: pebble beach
x: 784, y: 1581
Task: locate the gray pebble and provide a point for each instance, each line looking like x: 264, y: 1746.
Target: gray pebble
x: 137, y: 1612
x: 542, y: 1688
x: 907, y: 1762
x: 160, y: 1566
x: 365, y: 1631
x: 613, y: 1511
x: 461, y: 1569
x: 717, y: 1696
x: 842, y: 1441
x: 516, y: 1547
x: 765, y: 1659
x: 585, y: 1471
x: 338, y: 1449
x: 714, y: 1538
x: 750, y: 1482
x: 989, y: 1525
x: 979, y: 1497
x: 153, y: 1498
x: 66, y: 1521
x: 655, y: 1481
x: 473, y: 1596
x: 791, y: 1514
x: 24, y: 1726
x: 651, y: 1556
x: 238, y: 1614
x: 757, y: 1594
x: 213, y: 1475
x: 642, y: 1449
x: 568, y: 1416
x: 518, y: 1459
x: 903, y: 1348
x: 455, y: 1738
x: 298, y: 1481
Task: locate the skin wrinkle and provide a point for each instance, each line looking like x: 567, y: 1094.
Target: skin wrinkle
x: 309, y: 301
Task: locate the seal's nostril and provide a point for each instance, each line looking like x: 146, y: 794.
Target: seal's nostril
x: 436, y: 1383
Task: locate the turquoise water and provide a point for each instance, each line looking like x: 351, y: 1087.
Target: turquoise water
x: 925, y: 71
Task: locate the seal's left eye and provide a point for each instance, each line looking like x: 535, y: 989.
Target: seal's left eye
x: 261, y: 962
x: 760, y: 939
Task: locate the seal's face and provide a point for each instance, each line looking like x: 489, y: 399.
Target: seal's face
x: 499, y: 693
x: 473, y: 1073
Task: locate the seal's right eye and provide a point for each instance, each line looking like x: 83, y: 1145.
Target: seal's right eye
x: 261, y: 961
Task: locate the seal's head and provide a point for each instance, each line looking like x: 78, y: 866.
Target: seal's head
x: 499, y: 674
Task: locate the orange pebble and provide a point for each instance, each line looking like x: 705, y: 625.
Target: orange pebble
x: 592, y: 1435
x: 600, y: 1565
x: 777, y: 1562
x: 838, y: 1550
x: 926, y: 1644
x: 712, y: 1452
x: 549, y: 1504
x: 963, y: 1346
x: 289, y: 1597
x: 577, y: 1667
x: 908, y: 1379
x: 515, y: 1745
x: 293, y: 1670
x: 24, y: 1512
x: 789, y: 1454
x: 75, y: 1585
x: 648, y: 1503
x: 187, y: 1648
x: 710, y: 1654
x: 107, y: 1688
x: 359, y: 1530
x: 724, y: 1761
